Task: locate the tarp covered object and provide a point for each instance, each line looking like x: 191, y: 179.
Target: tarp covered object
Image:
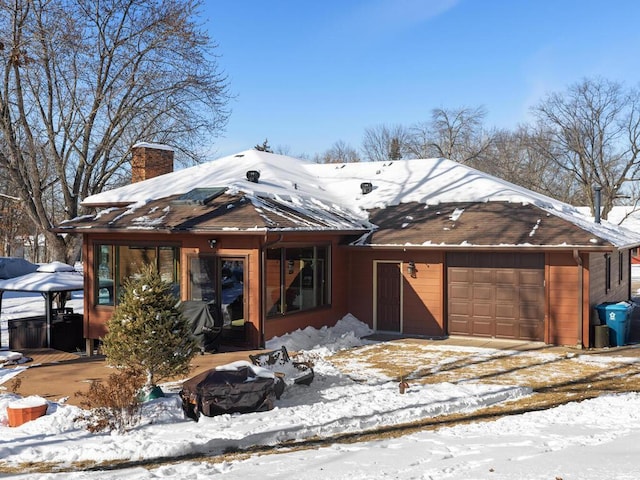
x: 206, y: 325
x: 236, y: 390
x: 11, y: 267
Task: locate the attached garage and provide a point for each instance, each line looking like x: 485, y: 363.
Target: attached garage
x: 497, y: 295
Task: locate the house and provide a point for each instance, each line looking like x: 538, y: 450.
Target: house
x: 420, y: 247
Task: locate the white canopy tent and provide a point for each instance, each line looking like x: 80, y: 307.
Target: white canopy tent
x: 49, y: 280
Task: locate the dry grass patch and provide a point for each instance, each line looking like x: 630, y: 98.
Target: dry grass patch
x: 555, y: 379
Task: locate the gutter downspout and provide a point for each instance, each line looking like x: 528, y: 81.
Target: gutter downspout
x: 578, y: 260
x: 263, y: 279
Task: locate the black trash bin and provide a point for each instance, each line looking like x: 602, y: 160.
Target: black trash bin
x: 67, y: 332
x: 601, y: 336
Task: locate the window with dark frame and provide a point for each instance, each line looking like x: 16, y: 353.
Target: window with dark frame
x: 113, y: 264
x: 607, y: 272
x: 620, y: 267
x: 296, y: 279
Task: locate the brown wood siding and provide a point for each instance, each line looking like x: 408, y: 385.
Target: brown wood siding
x: 562, y: 299
x: 423, y: 296
x: 597, y: 273
x: 620, y: 286
x: 360, y: 286
x: 422, y: 306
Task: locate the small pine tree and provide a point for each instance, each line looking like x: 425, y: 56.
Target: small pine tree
x: 265, y: 147
x: 147, y: 332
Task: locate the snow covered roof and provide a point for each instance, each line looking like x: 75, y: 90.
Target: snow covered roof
x: 44, y: 282
x: 296, y: 194
x: 627, y: 216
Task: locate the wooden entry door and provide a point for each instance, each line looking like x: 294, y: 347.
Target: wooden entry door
x: 388, y: 297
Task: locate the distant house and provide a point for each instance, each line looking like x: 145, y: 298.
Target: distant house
x: 419, y: 247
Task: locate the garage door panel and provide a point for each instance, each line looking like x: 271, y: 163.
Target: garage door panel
x: 529, y: 277
x: 460, y: 308
x: 530, y: 331
x: 483, y: 292
x: 506, y: 293
x: 506, y: 310
x: 482, y: 328
x: 483, y: 275
x: 531, y: 311
x: 460, y: 292
x: 506, y: 276
x: 459, y: 275
x: 459, y: 326
x: 481, y: 309
x: 506, y: 330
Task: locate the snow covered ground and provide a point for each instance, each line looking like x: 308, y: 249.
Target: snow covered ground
x: 593, y: 439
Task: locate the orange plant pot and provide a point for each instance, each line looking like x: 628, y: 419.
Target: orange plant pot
x: 18, y: 416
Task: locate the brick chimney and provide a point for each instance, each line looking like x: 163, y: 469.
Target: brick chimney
x: 150, y: 160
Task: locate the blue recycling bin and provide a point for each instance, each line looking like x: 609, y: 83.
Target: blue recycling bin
x: 616, y: 317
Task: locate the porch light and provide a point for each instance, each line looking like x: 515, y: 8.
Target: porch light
x: 290, y: 264
x: 411, y: 269
x: 213, y: 243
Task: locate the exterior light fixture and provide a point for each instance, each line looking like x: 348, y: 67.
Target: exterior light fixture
x: 290, y: 265
x: 411, y: 269
x: 213, y: 243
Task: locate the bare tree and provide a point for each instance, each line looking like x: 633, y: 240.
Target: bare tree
x: 456, y: 134
x: 594, y: 132
x: 82, y: 81
x: 340, y: 152
x: 384, y: 142
x: 515, y: 156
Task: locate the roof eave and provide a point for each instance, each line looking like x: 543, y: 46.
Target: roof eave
x: 208, y: 231
x: 591, y: 248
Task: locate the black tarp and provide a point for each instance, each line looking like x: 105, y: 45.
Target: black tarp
x: 206, y: 323
x: 216, y: 392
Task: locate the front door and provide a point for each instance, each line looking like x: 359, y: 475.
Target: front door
x: 221, y: 281
x: 233, y: 296
x: 388, y: 296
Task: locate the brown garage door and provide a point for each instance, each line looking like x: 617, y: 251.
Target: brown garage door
x: 497, y: 295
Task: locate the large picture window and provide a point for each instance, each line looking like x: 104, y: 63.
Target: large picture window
x: 297, y: 279
x: 115, y: 263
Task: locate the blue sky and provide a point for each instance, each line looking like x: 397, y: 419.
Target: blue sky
x: 305, y: 74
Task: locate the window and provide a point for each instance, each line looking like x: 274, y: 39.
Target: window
x: 620, y: 267
x: 297, y: 279
x: 607, y: 272
x: 115, y: 263
x: 202, y: 278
